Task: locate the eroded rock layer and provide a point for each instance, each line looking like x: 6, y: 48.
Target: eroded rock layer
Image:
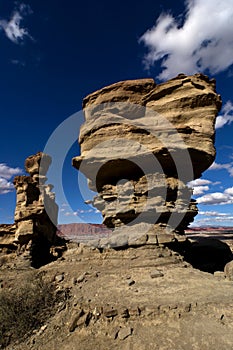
x: 140, y: 145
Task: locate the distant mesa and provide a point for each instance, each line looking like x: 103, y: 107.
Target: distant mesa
x: 82, y: 232
x: 140, y: 145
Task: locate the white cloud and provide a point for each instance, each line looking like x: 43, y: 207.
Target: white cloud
x: 227, y: 117
x: 229, y: 191
x: 18, y: 63
x: 213, y: 221
x: 212, y: 213
x: 65, y: 205
x: 68, y: 213
x: 5, y: 186
x: 200, y: 186
x: 197, y: 190
x: 13, y: 28
x: 204, y: 41
x: 7, y: 172
x: 227, y: 166
x: 220, y: 198
x: 77, y: 213
x: 199, y: 182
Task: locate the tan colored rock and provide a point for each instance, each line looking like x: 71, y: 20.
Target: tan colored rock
x: 7, y: 236
x: 228, y: 270
x: 33, y: 164
x: 36, y: 210
x: 31, y: 215
x: 140, y: 145
x: 25, y: 231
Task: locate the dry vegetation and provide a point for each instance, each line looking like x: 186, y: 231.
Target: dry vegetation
x: 25, y: 308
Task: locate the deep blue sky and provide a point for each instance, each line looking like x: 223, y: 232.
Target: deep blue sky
x: 72, y: 48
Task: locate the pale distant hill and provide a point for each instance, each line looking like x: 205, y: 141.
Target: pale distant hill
x: 86, y: 231
x: 79, y: 230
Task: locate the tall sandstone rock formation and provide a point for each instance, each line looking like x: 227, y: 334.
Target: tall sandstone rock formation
x: 36, y: 210
x: 141, y: 144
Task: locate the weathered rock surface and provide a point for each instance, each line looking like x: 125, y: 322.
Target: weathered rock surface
x: 36, y: 210
x: 140, y: 145
x: 228, y: 270
x: 7, y: 236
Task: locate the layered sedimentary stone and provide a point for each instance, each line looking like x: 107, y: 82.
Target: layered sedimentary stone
x: 140, y: 145
x: 7, y: 236
x: 36, y: 210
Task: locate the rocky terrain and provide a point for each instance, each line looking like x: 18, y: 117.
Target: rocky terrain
x: 138, y: 298
x: 145, y: 286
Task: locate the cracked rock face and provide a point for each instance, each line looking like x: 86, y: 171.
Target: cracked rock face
x: 141, y: 144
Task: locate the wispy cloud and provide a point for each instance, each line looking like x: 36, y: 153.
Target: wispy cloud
x: 18, y: 63
x: 203, y: 42
x: 5, y: 186
x: 198, y: 190
x: 227, y: 117
x: 213, y: 213
x: 199, y: 182
x: 13, y: 27
x: 6, y: 173
x: 200, y: 186
x: 227, y: 166
x: 220, y: 198
x: 78, y: 212
x: 215, y: 220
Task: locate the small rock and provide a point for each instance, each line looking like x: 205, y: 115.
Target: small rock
x: 97, y: 312
x: 81, y: 278
x: 59, y: 278
x: 42, y: 329
x: 114, y: 333
x: 156, y: 274
x: 75, y: 320
x: 131, y: 282
x: 124, y: 333
x: 74, y: 281
x: 124, y: 313
x: 110, y: 312
x: 134, y: 312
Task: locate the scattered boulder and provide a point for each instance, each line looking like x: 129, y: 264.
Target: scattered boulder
x: 156, y: 274
x: 124, y: 333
